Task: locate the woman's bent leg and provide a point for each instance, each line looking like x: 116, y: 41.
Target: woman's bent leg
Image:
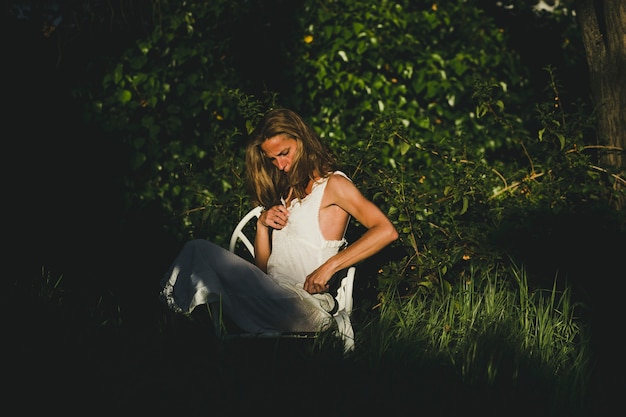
x: 195, y: 275
x: 205, y: 273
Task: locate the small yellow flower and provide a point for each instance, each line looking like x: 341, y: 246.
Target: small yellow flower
x: 466, y: 257
x: 434, y: 7
x: 308, y: 39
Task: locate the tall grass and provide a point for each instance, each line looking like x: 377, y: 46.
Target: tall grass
x: 490, y: 331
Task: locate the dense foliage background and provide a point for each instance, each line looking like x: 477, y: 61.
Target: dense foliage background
x: 129, y: 123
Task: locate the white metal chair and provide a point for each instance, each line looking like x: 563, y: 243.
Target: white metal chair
x: 344, y: 291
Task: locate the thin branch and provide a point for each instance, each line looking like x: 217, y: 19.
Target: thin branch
x: 516, y: 184
x: 615, y: 176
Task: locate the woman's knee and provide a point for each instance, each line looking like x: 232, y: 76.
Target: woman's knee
x: 202, y: 246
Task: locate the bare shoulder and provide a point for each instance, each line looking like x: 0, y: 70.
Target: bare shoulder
x: 340, y: 183
x: 341, y: 191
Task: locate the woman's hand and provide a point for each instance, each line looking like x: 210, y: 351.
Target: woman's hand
x: 316, y: 281
x: 276, y: 217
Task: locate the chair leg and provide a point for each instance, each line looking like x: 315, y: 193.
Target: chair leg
x: 345, y: 331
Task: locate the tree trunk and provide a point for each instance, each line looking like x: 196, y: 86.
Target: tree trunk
x: 603, y: 28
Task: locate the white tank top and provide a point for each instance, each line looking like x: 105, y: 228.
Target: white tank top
x: 299, y: 248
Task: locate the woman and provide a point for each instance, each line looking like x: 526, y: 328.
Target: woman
x: 308, y: 204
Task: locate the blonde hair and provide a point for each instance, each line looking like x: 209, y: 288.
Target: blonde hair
x: 267, y: 184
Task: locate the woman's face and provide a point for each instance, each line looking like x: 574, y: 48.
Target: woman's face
x: 280, y: 150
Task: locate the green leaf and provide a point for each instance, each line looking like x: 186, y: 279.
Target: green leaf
x: 137, y: 160
x: 561, y: 140
x: 465, y: 205
x: 124, y: 96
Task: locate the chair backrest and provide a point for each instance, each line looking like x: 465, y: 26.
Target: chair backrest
x: 239, y: 233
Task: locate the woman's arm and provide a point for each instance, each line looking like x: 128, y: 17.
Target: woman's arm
x: 341, y: 192
x: 274, y: 218
x: 262, y: 246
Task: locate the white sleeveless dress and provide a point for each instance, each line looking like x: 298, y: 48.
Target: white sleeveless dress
x: 257, y: 302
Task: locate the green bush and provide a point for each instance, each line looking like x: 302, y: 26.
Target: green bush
x: 423, y: 103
